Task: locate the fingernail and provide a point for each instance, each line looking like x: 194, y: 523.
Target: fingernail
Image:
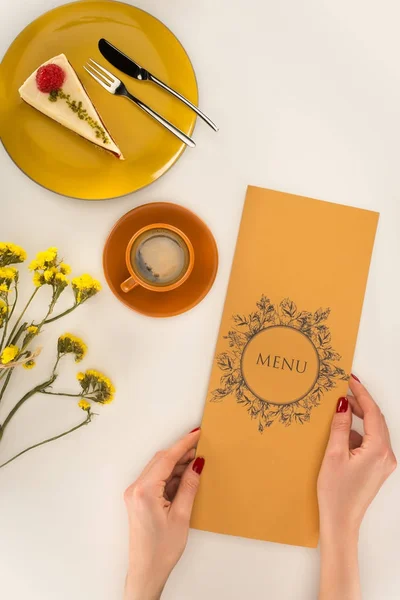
x: 198, y: 465
x: 342, y: 405
x: 193, y: 430
x: 356, y: 378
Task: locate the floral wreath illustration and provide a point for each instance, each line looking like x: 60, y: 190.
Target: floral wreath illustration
x: 232, y: 382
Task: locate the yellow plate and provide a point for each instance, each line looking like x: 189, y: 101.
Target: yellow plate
x: 57, y: 158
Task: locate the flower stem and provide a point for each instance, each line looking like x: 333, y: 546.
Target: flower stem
x: 56, y: 437
x: 39, y: 327
x: 21, y: 315
x: 56, y: 363
x: 5, y: 384
x: 6, y: 325
x: 66, y: 312
x: 28, y: 395
x: 60, y: 394
x: 18, y: 334
x: 15, y: 300
x: 10, y: 371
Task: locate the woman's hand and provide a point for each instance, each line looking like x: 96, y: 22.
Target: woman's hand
x: 353, y: 470
x: 159, y: 506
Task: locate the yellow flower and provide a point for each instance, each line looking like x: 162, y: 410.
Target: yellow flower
x: 107, y: 400
x: 8, y: 273
x: 97, y: 386
x: 4, y: 288
x: 44, y: 260
x: 3, y: 312
x: 8, y: 354
x: 7, y: 276
x: 84, y: 404
x: 29, y: 364
x: 64, y: 268
x: 11, y: 254
x: 80, y: 376
x: 85, y: 287
x: 49, y: 274
x: 70, y: 344
x: 48, y: 271
x: 61, y: 277
x: 38, y: 279
x: 31, y: 331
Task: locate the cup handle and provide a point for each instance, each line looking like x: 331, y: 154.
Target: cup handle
x: 129, y: 284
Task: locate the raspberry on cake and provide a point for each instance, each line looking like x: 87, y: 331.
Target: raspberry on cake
x: 56, y: 90
x: 50, y: 78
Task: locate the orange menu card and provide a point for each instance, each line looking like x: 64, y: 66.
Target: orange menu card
x: 283, y: 357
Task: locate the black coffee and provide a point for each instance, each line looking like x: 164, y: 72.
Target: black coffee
x: 160, y: 257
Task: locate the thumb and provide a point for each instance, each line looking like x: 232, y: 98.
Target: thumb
x: 340, y: 428
x: 184, y: 499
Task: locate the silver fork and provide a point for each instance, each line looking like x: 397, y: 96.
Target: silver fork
x: 115, y: 86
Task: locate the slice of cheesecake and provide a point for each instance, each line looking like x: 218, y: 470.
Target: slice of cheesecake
x: 55, y: 90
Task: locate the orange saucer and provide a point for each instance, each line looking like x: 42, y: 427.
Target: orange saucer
x: 190, y: 293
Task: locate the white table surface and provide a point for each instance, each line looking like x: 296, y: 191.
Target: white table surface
x: 307, y: 96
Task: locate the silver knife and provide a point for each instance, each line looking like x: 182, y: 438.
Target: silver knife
x: 128, y: 66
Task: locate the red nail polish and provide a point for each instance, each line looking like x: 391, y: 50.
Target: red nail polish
x: 193, y: 430
x: 356, y: 378
x: 198, y: 465
x: 342, y: 405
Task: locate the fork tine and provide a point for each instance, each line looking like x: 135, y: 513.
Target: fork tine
x: 106, y: 73
x: 105, y: 85
x: 100, y: 74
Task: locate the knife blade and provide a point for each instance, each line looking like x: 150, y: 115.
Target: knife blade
x: 127, y: 65
x: 121, y: 61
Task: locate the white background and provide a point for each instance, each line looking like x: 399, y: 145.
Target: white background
x: 307, y: 97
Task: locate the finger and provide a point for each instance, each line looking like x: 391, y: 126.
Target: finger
x: 386, y: 430
x: 188, y: 457
x: 183, y: 461
x: 355, y: 440
x: 178, y: 471
x: 172, y: 487
x: 183, y: 503
x: 357, y: 410
x: 148, y: 467
x: 373, y: 424
x: 166, y: 460
x: 392, y: 456
x: 340, y: 429
x: 355, y: 407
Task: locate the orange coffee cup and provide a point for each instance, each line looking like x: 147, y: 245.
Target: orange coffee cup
x: 137, y: 276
